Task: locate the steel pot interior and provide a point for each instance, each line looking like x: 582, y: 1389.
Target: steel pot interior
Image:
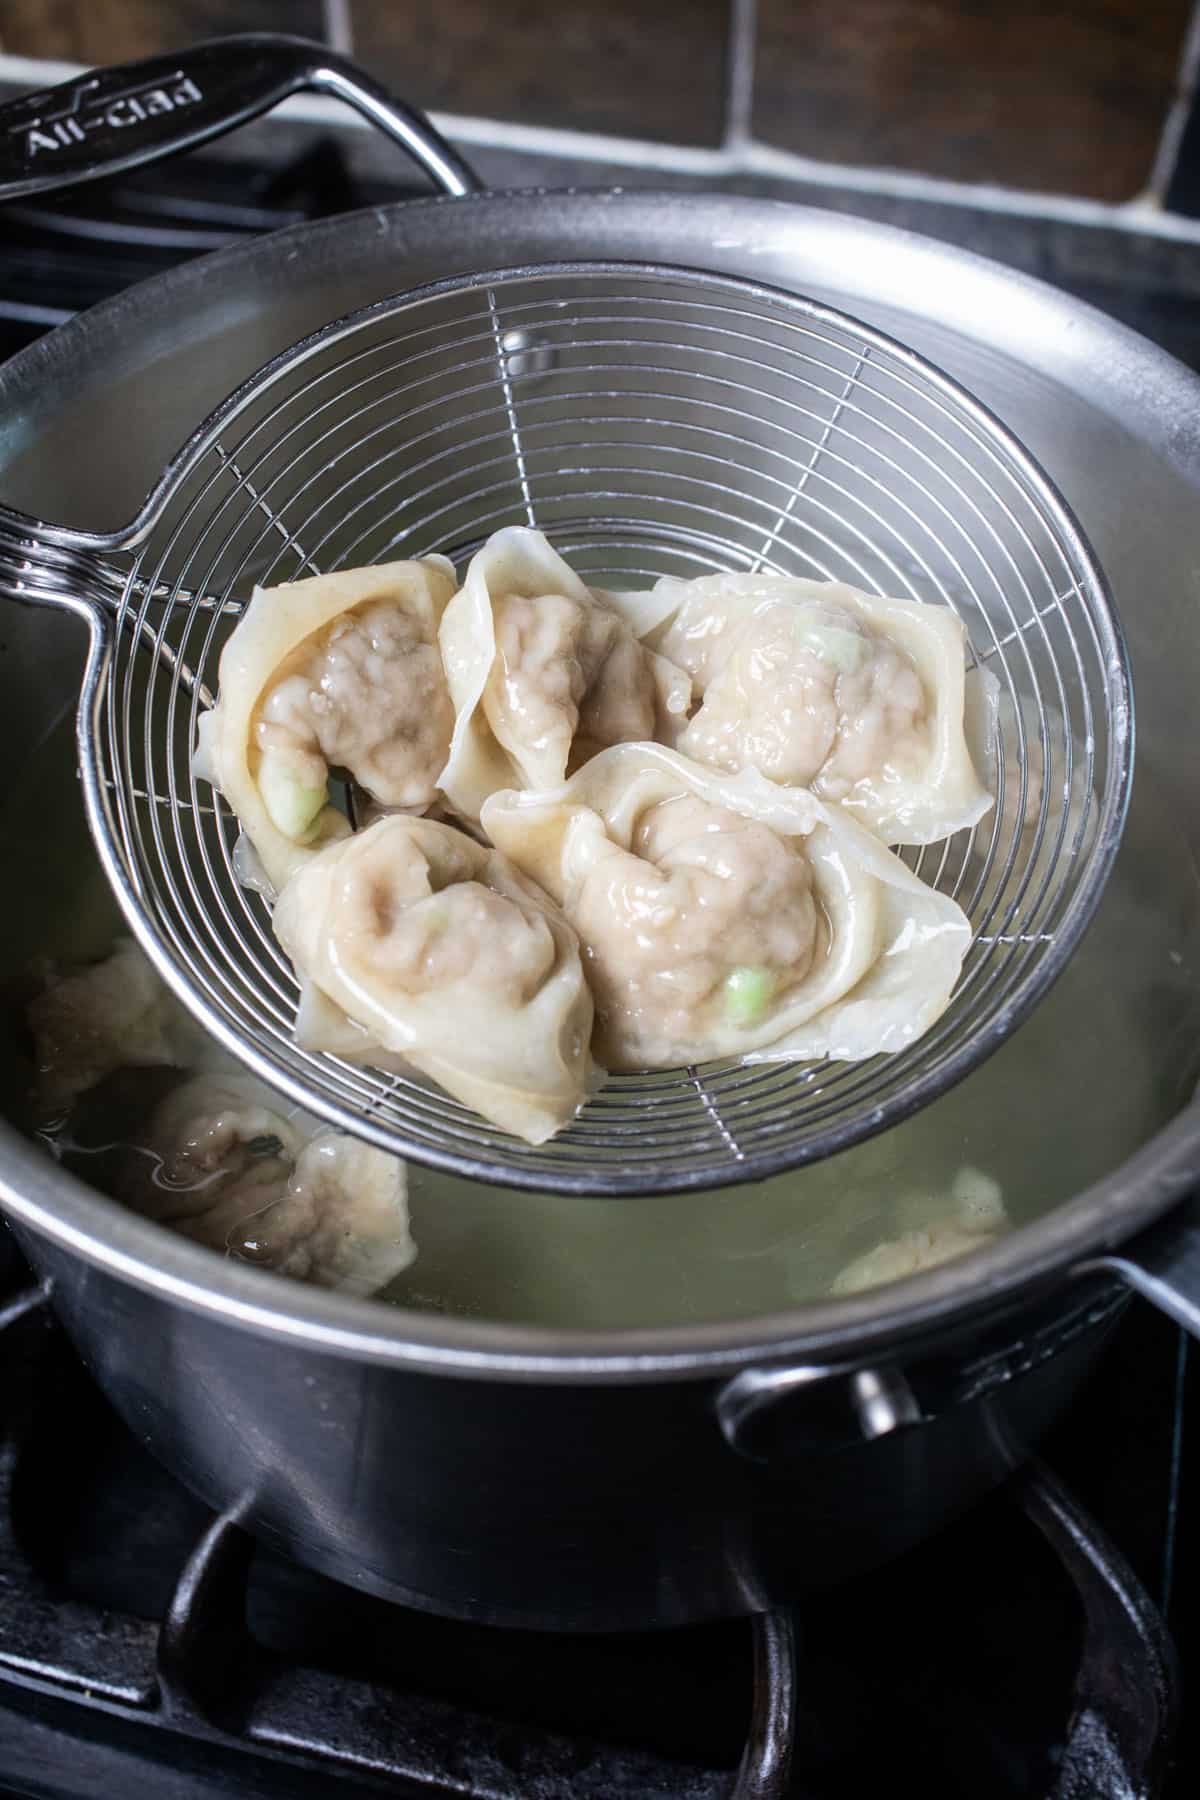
x: 1089, y: 1083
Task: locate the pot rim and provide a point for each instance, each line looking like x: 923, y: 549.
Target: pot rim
x: 56, y: 1204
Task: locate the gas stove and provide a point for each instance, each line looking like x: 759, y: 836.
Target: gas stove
x: 150, y: 1649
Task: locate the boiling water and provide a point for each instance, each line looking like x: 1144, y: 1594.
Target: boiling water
x: 1109, y: 1056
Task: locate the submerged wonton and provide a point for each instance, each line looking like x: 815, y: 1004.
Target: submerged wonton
x: 544, y: 672
x: 818, y: 685
x: 973, y: 1216
x: 340, y: 670
x: 116, y: 1014
x: 224, y: 1162
x: 725, y: 916
x: 436, y: 951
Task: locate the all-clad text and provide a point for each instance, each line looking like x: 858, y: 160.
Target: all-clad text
x: 85, y: 113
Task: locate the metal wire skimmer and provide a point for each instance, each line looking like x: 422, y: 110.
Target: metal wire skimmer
x: 649, y: 420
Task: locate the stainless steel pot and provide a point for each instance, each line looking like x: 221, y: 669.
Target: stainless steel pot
x: 607, y: 1414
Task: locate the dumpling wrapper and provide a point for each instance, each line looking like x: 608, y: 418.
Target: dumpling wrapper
x: 728, y: 916
x: 435, y: 950
x: 115, y: 1014
x: 227, y: 1163
x: 973, y: 1217
x: 544, y: 671
x: 375, y: 695
x: 817, y: 684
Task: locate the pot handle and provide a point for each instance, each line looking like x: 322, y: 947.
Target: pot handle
x: 119, y: 118
x: 860, y: 1403
x: 1162, y: 1264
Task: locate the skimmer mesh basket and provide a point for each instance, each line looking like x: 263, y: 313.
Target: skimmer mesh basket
x: 649, y: 421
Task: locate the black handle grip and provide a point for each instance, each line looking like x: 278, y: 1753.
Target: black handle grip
x: 118, y: 118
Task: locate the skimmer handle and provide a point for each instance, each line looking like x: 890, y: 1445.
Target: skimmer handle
x: 119, y: 118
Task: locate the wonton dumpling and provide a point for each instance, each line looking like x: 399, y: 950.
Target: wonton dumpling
x: 725, y: 916
x: 818, y: 685
x: 438, y: 952
x: 974, y: 1217
x: 544, y: 671
x: 117, y: 1014
x: 227, y: 1163
x: 339, y: 670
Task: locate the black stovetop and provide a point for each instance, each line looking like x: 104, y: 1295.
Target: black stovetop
x: 148, y: 1650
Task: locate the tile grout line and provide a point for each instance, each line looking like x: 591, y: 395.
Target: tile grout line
x: 338, y: 28
x: 739, y: 72
x: 1186, y: 95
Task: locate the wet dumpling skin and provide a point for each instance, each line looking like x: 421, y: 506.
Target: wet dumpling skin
x: 115, y: 1014
x: 726, y: 916
x: 425, y: 946
x: 340, y: 670
x: 225, y: 1162
x: 544, y: 672
x: 819, y: 685
x: 971, y: 1216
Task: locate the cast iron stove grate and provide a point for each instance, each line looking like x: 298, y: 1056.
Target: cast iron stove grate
x: 147, y: 1649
